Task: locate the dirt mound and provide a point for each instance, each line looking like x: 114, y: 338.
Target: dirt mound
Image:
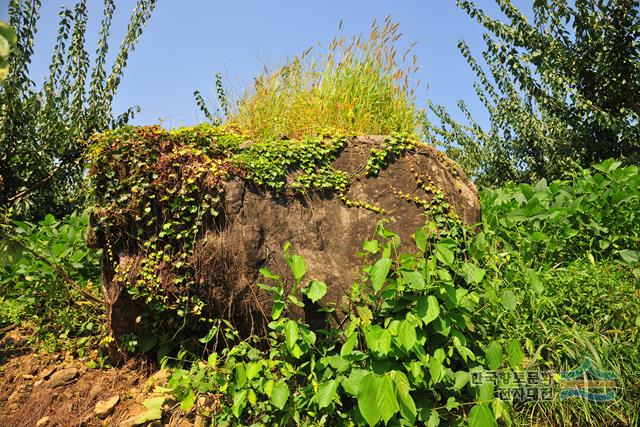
x: 323, y: 196
x: 58, y: 390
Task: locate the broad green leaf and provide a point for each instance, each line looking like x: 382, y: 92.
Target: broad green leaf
x: 421, y: 239
x: 187, y: 402
x: 298, y: 266
x: 326, y: 393
x: 481, y: 416
x: 379, y: 272
x: 280, y: 394
x: 461, y: 379
x: 444, y: 254
x: 315, y: 290
x: 472, y: 273
x: 428, y: 309
x: 414, y: 279
x: 386, y: 396
x: 368, y: 399
x: 534, y: 280
x: 493, y: 355
x: 407, y: 405
x: 509, y: 300
x: 406, y: 335
x: 349, y: 343
x: 291, y: 334
x: 239, y: 402
x: 378, y: 340
x: 515, y: 354
x: 371, y: 246
x: 276, y: 311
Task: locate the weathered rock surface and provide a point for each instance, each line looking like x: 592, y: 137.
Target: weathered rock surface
x: 321, y: 228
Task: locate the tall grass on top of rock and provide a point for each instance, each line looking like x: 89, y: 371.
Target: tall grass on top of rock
x: 360, y: 85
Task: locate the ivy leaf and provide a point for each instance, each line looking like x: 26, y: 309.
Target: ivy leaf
x: 428, y: 309
x: 493, y: 355
x: 515, y: 355
x: 315, y: 290
x: 481, y: 416
x: 280, y: 394
x: 326, y: 393
x: 379, y: 272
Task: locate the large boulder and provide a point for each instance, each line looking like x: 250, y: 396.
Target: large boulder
x: 326, y: 228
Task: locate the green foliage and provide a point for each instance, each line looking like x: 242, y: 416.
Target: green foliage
x: 408, y: 313
x: 7, y: 41
x: 561, y: 90
x: 43, y: 132
x: 49, y: 279
x: 361, y: 85
x: 419, y: 324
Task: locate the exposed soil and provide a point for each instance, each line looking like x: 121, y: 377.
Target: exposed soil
x: 41, y: 389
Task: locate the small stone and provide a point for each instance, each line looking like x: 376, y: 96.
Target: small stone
x: 27, y: 376
x: 95, y: 391
x: 63, y: 377
x: 37, y: 383
x: 104, y: 408
x: 44, y: 422
x: 46, y: 372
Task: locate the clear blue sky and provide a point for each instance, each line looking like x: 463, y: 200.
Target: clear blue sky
x: 186, y: 42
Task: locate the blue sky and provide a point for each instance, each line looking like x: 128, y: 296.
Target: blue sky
x: 187, y: 42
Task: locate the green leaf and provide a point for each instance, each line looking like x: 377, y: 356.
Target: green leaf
x: 379, y: 272
x: 280, y: 394
x: 326, y: 393
x: 239, y: 402
x: 509, y: 300
x: 534, y: 280
x: 386, y: 396
x: 461, y: 379
x: 515, y: 354
x: 407, y: 405
x: 368, y: 398
x: 472, y: 273
x: 421, y: 239
x: 187, y: 402
x: 493, y: 355
x: 406, y: 335
x: 444, y: 254
x: 276, y: 311
x: 298, y: 266
x: 348, y: 345
x: 629, y: 256
x: 414, y: 279
x: 378, y: 340
x: 428, y: 309
x: 481, y: 416
x: 291, y: 334
x: 315, y: 290
x: 371, y: 246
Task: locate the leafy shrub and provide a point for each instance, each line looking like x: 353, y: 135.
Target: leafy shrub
x: 49, y: 278
x: 361, y: 86
x: 405, y: 355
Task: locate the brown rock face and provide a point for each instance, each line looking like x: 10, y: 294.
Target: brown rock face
x: 321, y: 228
